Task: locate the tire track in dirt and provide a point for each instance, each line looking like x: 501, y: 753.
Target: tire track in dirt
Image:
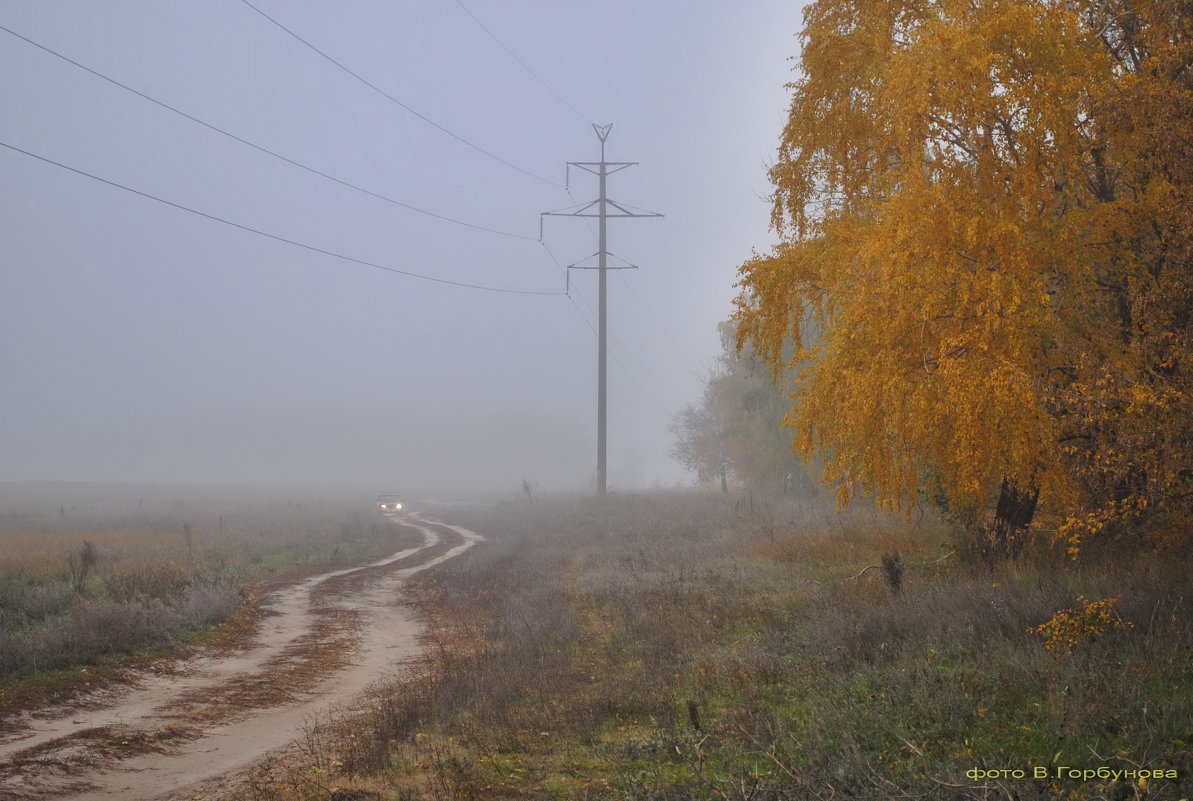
x: 325, y: 640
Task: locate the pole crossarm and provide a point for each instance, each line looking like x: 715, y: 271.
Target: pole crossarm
x: 609, y: 216
x: 577, y: 213
x: 627, y: 213
x: 588, y: 166
x: 583, y: 211
x: 579, y: 264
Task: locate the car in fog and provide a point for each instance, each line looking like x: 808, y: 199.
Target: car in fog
x: 390, y: 502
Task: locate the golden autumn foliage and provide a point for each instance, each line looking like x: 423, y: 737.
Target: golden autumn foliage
x: 987, y: 211
x: 1069, y: 629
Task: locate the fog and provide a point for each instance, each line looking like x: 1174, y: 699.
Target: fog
x: 143, y: 343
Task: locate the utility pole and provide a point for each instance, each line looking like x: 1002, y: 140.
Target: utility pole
x: 603, y: 169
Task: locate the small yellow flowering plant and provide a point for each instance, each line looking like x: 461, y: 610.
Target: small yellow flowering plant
x: 1070, y: 628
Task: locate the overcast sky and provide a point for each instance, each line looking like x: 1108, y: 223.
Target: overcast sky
x: 140, y: 342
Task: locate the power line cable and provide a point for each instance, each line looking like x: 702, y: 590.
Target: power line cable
x: 629, y: 352
x: 618, y: 361
x: 260, y: 148
x: 394, y: 100
x: 275, y: 237
x: 523, y: 64
x: 650, y: 315
x: 654, y: 320
x: 592, y: 327
x: 624, y: 282
x: 588, y: 224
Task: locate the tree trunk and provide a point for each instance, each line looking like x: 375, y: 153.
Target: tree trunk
x: 724, y: 481
x: 1012, y: 515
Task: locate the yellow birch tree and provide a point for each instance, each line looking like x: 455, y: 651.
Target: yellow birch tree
x: 985, y: 210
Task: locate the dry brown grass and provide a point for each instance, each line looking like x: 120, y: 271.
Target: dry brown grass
x: 572, y: 656
x: 87, y: 574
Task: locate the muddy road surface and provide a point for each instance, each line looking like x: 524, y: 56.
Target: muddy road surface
x: 195, y: 728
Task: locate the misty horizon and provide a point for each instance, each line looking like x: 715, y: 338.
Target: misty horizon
x: 142, y: 343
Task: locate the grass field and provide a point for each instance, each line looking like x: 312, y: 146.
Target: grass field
x: 90, y: 574
x: 688, y: 647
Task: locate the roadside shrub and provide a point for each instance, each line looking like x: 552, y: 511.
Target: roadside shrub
x: 103, y: 628
x: 94, y: 630
x: 206, y: 604
x: 80, y: 562
x: 22, y: 603
x: 1068, y: 629
x: 160, y: 580
x: 11, y: 657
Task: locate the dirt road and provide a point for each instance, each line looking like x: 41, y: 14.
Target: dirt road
x: 197, y: 728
